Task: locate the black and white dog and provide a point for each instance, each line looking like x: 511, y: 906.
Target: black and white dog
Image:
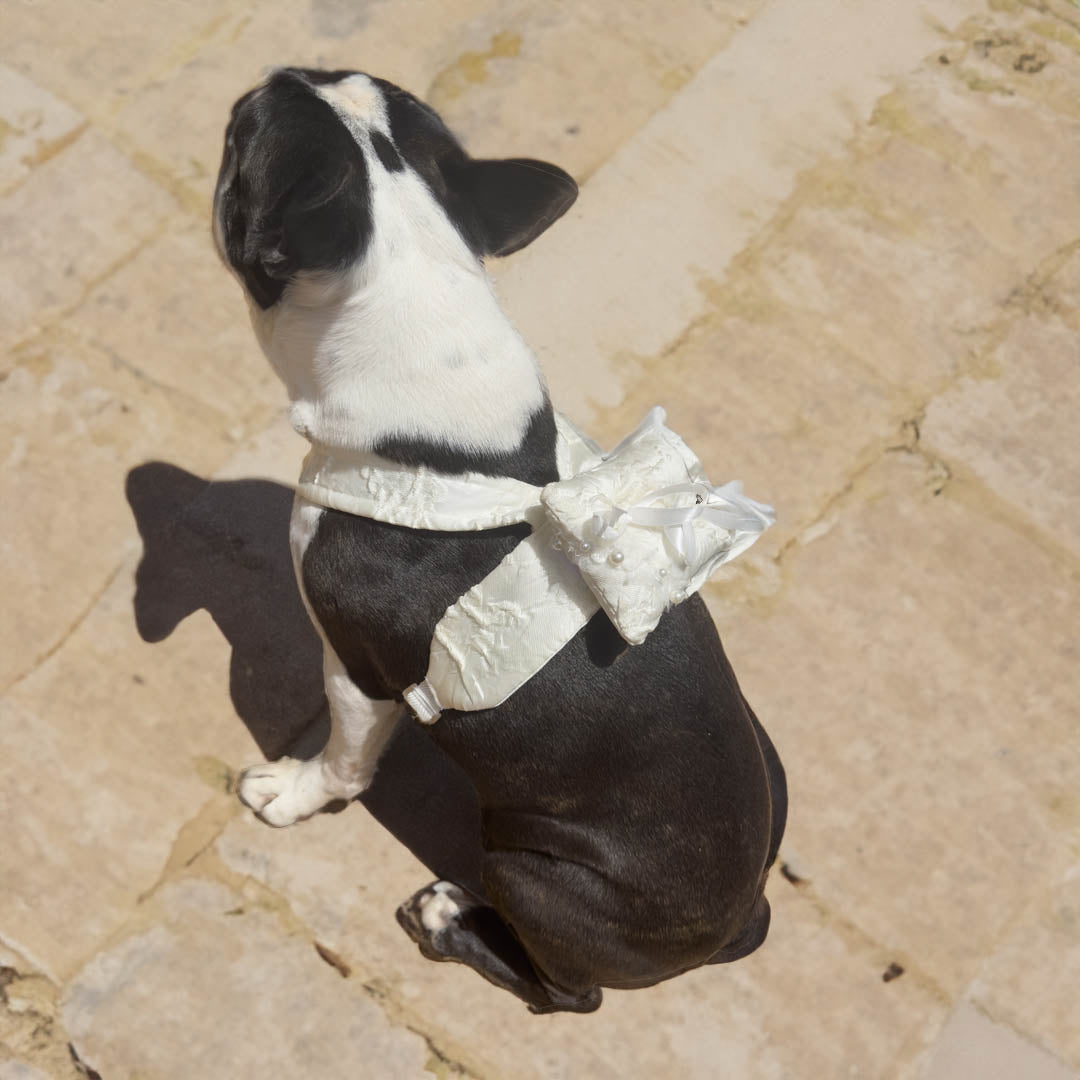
x: 632, y: 804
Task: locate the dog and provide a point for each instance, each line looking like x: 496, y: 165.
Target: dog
x: 632, y: 804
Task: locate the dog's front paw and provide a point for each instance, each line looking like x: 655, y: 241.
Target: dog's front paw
x: 283, y: 792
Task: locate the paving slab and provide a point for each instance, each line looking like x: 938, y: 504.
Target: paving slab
x: 1008, y: 432
x: 871, y: 671
x: 762, y: 392
x: 510, y: 78
x: 895, y: 268
x: 33, y: 125
x: 176, y: 122
x: 531, y: 81
x: 973, y: 1045
x: 904, y: 252
x: 174, y: 314
x: 75, y: 419
x: 215, y: 988
x: 1061, y: 289
x: 827, y: 67
x: 343, y: 875
x: 107, y: 757
x: 143, y: 737
x: 87, y: 208
x: 96, y: 62
x: 1027, y: 981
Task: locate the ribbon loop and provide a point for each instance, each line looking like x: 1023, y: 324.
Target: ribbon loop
x: 711, y: 504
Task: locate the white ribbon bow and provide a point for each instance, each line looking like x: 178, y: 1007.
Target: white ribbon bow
x: 711, y: 504
x: 608, y: 517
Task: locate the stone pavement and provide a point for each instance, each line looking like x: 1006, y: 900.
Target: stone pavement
x: 841, y: 243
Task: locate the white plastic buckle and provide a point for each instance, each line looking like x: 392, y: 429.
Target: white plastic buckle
x: 424, y: 702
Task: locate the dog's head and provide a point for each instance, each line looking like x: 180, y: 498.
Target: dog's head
x: 305, y: 153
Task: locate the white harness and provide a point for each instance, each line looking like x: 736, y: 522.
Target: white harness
x: 633, y: 532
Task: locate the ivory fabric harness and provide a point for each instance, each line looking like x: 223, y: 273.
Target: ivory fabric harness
x: 633, y: 532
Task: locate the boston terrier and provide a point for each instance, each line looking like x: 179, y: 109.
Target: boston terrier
x: 632, y: 804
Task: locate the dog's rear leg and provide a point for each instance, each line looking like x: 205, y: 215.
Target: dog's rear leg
x: 284, y: 791
x: 449, y: 923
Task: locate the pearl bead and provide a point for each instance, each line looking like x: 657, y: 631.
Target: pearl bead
x: 585, y: 547
x: 616, y: 557
x: 678, y: 596
x: 661, y: 573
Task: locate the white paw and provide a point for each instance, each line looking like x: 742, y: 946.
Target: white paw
x: 437, y: 908
x: 286, y: 791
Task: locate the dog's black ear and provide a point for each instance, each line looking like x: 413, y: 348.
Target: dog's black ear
x: 513, y: 200
x: 320, y: 223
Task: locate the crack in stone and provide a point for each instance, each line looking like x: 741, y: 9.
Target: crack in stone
x: 164, y: 388
x: 46, y: 150
x: 441, y: 1065
x: 54, y: 320
x: 439, y: 1061
x: 52, y: 650
x: 858, y: 939
x: 1025, y: 300
x: 80, y: 1066
x: 196, y: 836
x: 937, y: 466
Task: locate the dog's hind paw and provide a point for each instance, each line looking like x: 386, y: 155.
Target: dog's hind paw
x: 286, y: 791
x: 430, y: 911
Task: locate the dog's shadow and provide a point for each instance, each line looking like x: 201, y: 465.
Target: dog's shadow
x: 224, y: 546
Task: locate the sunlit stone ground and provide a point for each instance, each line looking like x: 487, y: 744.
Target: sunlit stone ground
x: 840, y: 242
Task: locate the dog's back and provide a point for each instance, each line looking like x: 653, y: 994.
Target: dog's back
x: 630, y: 810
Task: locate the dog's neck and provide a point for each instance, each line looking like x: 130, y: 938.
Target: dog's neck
x: 407, y: 349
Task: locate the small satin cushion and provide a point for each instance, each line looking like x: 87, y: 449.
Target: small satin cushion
x: 646, y: 528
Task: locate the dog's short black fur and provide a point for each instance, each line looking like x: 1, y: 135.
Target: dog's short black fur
x: 632, y: 804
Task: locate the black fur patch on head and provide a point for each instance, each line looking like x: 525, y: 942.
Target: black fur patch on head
x: 299, y: 198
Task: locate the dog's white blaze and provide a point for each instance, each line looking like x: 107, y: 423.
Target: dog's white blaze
x: 411, y: 342
x: 357, y: 100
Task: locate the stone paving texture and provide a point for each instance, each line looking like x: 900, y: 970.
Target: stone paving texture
x: 841, y: 244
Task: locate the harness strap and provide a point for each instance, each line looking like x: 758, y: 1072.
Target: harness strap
x: 501, y: 632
